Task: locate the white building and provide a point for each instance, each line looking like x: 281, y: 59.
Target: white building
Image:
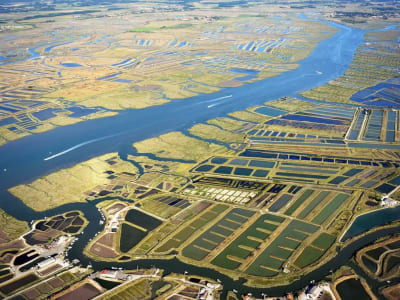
x: 46, y: 262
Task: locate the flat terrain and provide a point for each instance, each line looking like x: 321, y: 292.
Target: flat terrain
x: 256, y: 209
x: 55, y: 75
x: 265, y: 191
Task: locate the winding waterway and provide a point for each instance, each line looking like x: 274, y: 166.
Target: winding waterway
x: 24, y: 159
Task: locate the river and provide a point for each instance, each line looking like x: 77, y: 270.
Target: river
x: 24, y: 161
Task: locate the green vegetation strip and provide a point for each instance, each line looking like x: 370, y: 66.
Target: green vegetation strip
x: 309, y: 165
x: 155, y: 28
x: 321, y: 196
x: 19, y: 283
x: 330, y: 209
x: 179, y: 238
x: 308, y: 170
x: 243, y: 240
x: 194, y: 252
x: 298, y: 202
x: 209, y: 240
x: 289, y: 174
x: 324, y: 241
x: 308, y: 256
x: 278, y: 251
x: 130, y: 237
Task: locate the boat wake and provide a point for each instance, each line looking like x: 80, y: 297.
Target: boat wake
x: 77, y: 146
x: 217, y: 100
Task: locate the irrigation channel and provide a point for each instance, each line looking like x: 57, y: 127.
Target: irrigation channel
x: 23, y: 161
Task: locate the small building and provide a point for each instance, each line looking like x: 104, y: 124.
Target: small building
x: 46, y: 262
x: 114, y: 227
x: 109, y: 274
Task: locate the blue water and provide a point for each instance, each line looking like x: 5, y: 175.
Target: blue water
x: 7, y: 121
x: 390, y: 136
x: 265, y: 45
x: 8, y: 109
x: 33, y: 54
x: 81, y: 112
x: 112, y: 77
x: 311, y: 119
x: 374, y: 146
x: 368, y: 221
x: 244, y: 71
x: 71, y: 65
x: 45, y: 114
x: 24, y: 158
x: 49, y: 48
x: 109, y: 76
x: 182, y: 44
x: 384, y: 94
x: 122, y: 80
x: 270, y: 111
x: 249, y: 46
x: 331, y: 57
x: 122, y: 62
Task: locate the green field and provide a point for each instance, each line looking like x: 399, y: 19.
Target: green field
x: 222, y: 261
x: 251, y: 238
x: 156, y: 28
x: 139, y: 289
x: 297, y: 235
x: 315, y: 251
x: 324, y: 241
x: 330, y: 208
x: 280, y: 249
x: 299, y: 202
x: 209, y: 240
x: 178, y: 239
x: 313, y: 204
x: 193, y: 252
x: 308, y: 256
x: 130, y: 236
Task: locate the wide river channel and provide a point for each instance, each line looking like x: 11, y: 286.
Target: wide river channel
x: 24, y: 161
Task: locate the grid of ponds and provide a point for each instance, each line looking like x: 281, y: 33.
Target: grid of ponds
x: 355, y: 131
x: 234, y: 166
x: 173, y: 201
x: 215, y: 235
x: 384, y: 94
x: 221, y: 194
x: 374, y: 126
x: 333, y: 112
x: 304, y: 142
x: 248, y: 242
x: 270, y: 111
x: 283, y: 155
x: 289, y: 135
x: 272, y: 260
x: 380, y: 125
